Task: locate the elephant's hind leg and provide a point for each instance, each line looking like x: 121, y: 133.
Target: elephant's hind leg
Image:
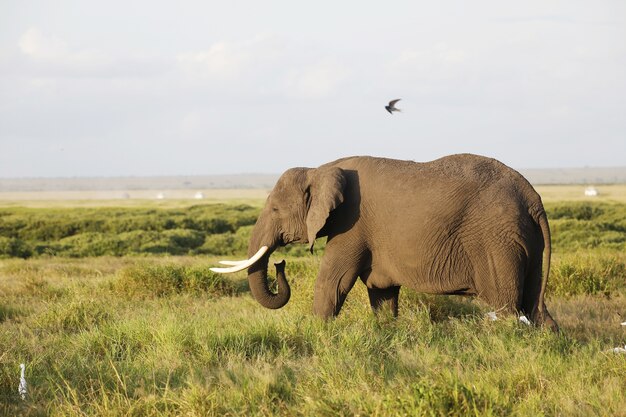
x: 384, y: 298
x: 500, y: 280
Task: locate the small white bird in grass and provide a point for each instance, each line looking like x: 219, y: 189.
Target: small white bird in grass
x: 392, y: 106
x: 493, y: 317
x: 22, y: 388
x: 618, y: 349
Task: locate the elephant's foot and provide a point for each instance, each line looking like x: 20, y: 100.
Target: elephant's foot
x: 324, y: 312
x: 543, y: 318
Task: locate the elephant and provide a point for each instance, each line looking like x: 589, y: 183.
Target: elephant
x: 463, y: 224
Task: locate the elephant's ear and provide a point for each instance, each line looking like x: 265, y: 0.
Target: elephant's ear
x: 326, y: 189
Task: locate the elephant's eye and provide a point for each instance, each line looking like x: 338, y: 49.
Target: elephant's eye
x: 275, y: 209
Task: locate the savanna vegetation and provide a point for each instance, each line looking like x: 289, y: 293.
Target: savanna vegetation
x: 81, y: 232
x: 114, y: 312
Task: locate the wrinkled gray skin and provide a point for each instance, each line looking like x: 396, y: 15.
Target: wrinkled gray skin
x: 462, y: 224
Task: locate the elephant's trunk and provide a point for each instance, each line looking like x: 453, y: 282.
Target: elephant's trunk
x: 257, y: 278
x: 257, y: 273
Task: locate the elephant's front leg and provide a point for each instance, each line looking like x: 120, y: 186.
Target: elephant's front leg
x: 338, y: 273
x: 384, y: 298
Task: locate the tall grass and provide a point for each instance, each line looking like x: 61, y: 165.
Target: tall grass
x: 590, y: 273
x: 102, y: 348
x: 162, y: 335
x: 163, y: 280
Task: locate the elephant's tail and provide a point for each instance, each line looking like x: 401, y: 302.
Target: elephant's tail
x: 542, y: 220
x: 539, y: 313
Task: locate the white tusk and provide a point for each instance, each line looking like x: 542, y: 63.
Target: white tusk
x: 232, y: 263
x: 242, y: 264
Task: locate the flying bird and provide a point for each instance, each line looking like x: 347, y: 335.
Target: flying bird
x: 392, y: 106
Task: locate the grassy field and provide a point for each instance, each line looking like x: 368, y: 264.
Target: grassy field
x: 253, y: 197
x: 155, y: 333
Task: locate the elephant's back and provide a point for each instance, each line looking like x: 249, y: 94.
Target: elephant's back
x: 476, y: 169
x: 492, y: 181
x: 462, y: 175
x: 466, y: 166
x: 467, y: 169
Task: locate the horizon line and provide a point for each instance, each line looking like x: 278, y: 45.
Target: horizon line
x: 60, y: 177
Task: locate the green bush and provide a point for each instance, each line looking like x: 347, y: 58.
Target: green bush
x: 82, y: 232
x: 578, y: 211
x: 577, y: 226
x: 227, y: 243
x: 51, y: 224
x: 14, y: 248
x: 221, y: 244
x: 185, y: 239
x: 89, y: 244
x: 170, y: 242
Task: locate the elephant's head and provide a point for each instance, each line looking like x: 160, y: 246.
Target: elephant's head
x: 295, y: 212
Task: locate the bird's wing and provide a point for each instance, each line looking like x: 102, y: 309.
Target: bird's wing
x: 393, y: 102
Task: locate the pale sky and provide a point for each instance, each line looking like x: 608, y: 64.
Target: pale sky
x: 117, y: 88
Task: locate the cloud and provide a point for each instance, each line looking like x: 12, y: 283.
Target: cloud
x: 318, y: 80
x: 47, y: 56
x: 231, y: 60
x: 199, y: 121
x: 221, y: 60
x: 437, y: 61
x: 33, y: 44
x: 54, y: 51
x: 263, y: 65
